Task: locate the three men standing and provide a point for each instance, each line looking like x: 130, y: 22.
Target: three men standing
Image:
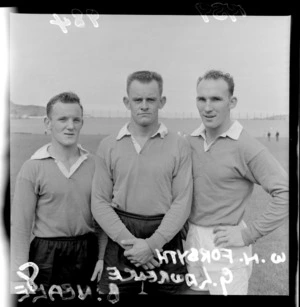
x: 145, y: 184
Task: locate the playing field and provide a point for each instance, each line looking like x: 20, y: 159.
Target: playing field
x: 267, y: 278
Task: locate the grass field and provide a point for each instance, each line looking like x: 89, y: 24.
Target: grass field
x: 267, y: 278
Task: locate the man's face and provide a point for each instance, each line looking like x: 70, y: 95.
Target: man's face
x: 214, y: 103
x: 144, y: 100
x: 65, y: 123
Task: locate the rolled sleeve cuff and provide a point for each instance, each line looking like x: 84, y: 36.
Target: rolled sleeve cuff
x: 125, y: 234
x: 250, y: 235
x: 156, y: 241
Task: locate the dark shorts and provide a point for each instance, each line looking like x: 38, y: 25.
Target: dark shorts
x: 142, y: 227
x: 64, y: 259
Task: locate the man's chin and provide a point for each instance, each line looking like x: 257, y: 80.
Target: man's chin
x: 145, y: 123
x: 69, y: 143
x: 209, y: 124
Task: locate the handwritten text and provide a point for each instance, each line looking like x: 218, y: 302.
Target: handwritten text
x: 220, y: 11
x: 78, y: 19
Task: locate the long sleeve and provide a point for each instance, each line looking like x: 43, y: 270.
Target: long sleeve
x: 102, y: 210
x: 22, y: 217
x: 267, y: 172
x: 102, y: 240
x: 182, y: 188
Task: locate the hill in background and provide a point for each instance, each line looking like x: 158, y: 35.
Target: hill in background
x: 27, y: 111
x: 23, y: 111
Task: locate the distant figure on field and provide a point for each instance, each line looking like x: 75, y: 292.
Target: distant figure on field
x: 277, y: 136
x: 269, y: 135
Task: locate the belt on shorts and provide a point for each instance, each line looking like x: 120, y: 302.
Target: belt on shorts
x: 156, y: 217
x: 74, y: 238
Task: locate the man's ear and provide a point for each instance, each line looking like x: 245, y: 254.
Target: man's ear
x: 126, y: 102
x: 163, y: 101
x: 47, y: 123
x: 233, y: 102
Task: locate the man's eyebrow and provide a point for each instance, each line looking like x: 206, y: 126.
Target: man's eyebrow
x: 210, y: 97
x: 216, y: 97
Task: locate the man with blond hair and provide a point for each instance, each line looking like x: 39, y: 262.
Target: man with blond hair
x: 142, y: 191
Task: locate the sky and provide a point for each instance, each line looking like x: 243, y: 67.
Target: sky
x: 94, y: 62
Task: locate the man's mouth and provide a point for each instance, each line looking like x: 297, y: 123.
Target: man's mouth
x: 209, y: 116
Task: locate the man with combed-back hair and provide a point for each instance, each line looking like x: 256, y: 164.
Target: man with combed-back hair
x: 227, y: 162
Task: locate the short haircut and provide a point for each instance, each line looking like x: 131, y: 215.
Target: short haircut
x: 65, y: 97
x: 217, y: 74
x: 145, y: 76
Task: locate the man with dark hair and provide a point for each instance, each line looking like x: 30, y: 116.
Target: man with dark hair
x: 227, y: 162
x: 141, y: 194
x: 65, y: 97
x: 145, y: 77
x: 52, y: 202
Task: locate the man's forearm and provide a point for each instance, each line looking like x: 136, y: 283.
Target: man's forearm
x: 102, y: 239
x: 274, y: 180
x: 22, y: 216
x: 102, y: 210
x: 177, y: 215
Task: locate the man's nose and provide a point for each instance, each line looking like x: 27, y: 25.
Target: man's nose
x: 70, y: 124
x: 207, y: 106
x: 144, y: 104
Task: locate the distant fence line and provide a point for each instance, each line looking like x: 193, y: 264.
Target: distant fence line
x: 179, y: 115
x: 234, y: 115
x: 108, y: 125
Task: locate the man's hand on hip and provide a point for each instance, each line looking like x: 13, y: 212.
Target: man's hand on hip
x: 228, y: 236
